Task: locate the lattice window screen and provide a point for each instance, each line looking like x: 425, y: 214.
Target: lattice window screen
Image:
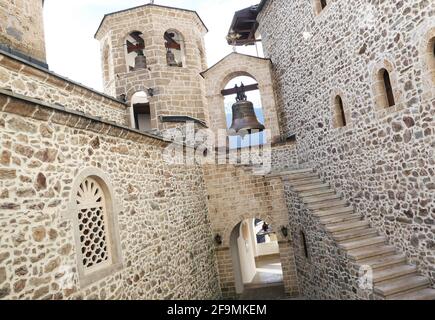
x: 92, y: 221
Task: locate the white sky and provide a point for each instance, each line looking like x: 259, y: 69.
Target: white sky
x: 70, y: 26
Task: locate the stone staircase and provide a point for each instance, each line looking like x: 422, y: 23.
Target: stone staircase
x: 393, y: 277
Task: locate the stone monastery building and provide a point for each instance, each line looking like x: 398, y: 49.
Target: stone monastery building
x: 91, y: 209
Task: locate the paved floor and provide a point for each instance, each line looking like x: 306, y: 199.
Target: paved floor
x: 267, y: 283
x: 269, y: 270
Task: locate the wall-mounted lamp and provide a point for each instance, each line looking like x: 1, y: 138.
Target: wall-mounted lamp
x: 123, y: 98
x: 284, y: 231
x: 218, y: 239
x: 150, y: 92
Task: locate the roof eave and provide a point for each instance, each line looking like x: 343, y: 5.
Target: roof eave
x: 147, y: 5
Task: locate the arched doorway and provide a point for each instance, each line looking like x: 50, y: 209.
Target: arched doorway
x: 140, y: 116
x: 256, y: 261
x: 254, y: 96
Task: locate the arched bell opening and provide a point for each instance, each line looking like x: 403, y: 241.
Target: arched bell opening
x: 256, y: 258
x: 134, y: 51
x: 244, y: 113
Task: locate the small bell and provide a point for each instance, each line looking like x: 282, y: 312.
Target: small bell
x: 140, y: 62
x: 170, y: 58
x: 244, y: 118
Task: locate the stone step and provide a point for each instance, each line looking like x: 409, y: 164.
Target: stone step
x: 302, y: 176
x: 369, y: 252
x: 327, y: 205
x: 317, y: 199
x: 347, y: 226
x: 311, y: 188
x: 299, y: 171
x: 384, y: 262
x: 399, y: 271
x: 305, y: 182
x: 422, y: 294
x: 290, y: 173
x: 356, y: 244
x: 338, y: 210
x: 354, y: 234
x: 340, y: 218
x: 403, y: 285
x: 319, y: 192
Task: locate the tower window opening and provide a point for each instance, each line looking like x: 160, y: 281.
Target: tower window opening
x: 174, y: 49
x: 141, y: 112
x: 135, y: 46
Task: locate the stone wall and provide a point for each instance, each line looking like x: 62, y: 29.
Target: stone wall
x: 177, y: 90
x: 285, y: 156
x: 22, y: 78
x: 164, y: 229
x: 235, y: 194
x: 22, y: 27
x: 382, y: 162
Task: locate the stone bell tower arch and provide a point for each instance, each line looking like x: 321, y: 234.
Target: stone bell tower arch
x: 159, y: 51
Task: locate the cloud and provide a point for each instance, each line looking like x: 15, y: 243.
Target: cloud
x: 70, y: 26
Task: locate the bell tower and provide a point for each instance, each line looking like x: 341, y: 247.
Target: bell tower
x: 152, y: 57
x: 22, y: 29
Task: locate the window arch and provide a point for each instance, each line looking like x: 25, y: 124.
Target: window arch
x: 174, y: 44
x: 94, y: 213
x: 339, y: 113
x: 134, y: 51
x: 387, y: 88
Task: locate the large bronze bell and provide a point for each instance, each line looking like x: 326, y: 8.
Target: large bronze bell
x: 244, y: 118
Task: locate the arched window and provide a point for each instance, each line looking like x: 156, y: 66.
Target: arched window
x: 141, y: 113
x: 93, y: 226
x: 339, y: 114
x: 304, y: 244
x: 94, y: 211
x: 323, y: 4
x: 134, y: 51
x: 319, y: 5
x: 384, y: 76
x: 174, y: 44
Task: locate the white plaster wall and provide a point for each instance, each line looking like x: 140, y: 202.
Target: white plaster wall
x: 246, y: 256
x: 269, y: 248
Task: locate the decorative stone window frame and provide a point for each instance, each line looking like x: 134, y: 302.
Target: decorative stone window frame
x: 317, y: 7
x: 347, y: 114
x: 380, y: 100
x: 115, y: 263
x: 427, y: 56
